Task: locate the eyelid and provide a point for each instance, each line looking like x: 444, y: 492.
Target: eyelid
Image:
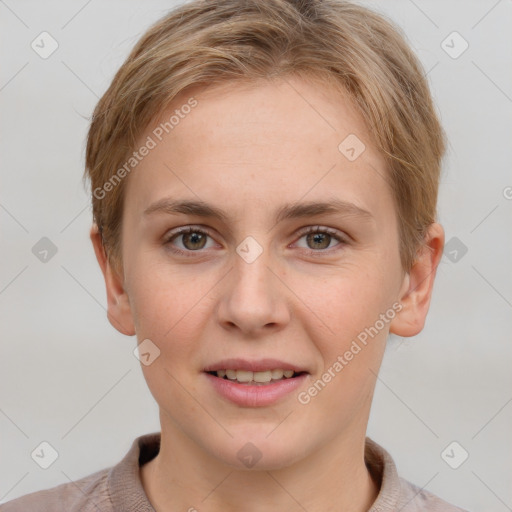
x: 340, y: 235
x: 184, y: 230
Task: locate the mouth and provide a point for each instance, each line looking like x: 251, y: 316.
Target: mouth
x: 261, y: 378
x: 244, y: 389
x: 257, y: 382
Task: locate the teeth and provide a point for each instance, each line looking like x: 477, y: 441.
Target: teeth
x: 277, y: 374
x: 245, y: 376
x: 231, y: 374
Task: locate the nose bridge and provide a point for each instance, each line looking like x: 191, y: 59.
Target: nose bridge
x: 252, y: 277
x: 253, y: 297
x: 251, y: 265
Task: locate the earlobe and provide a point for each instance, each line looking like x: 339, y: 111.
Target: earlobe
x: 119, y: 311
x: 417, y: 286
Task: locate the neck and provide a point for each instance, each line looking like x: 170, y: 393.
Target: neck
x: 183, y: 477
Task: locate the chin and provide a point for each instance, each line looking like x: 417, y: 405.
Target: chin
x: 258, y: 453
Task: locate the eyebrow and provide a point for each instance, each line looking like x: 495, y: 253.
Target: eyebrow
x: 288, y: 211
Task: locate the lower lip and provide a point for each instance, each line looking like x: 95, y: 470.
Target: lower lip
x: 255, y: 396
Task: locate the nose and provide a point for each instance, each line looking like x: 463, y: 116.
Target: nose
x: 254, y: 298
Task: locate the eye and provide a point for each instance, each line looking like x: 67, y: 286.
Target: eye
x: 192, y: 238
x: 318, y: 238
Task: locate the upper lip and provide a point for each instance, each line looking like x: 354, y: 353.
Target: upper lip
x: 258, y: 365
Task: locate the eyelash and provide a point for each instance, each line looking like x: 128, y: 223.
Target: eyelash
x: 306, y: 231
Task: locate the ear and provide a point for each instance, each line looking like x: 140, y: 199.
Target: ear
x: 119, y: 312
x: 418, y: 285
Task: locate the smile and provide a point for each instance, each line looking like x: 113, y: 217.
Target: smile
x: 254, y: 389
x: 248, y: 377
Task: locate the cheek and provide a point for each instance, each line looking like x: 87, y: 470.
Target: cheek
x: 348, y: 340
x: 161, y: 294
x: 172, y: 308
x: 346, y: 301
x: 171, y: 312
x: 347, y: 325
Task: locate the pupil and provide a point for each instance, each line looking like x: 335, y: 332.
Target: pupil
x: 317, y: 239
x: 194, y: 238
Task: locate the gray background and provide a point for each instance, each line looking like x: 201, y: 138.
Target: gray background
x: 67, y: 377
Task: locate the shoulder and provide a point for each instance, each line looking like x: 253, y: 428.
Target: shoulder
x: 89, y: 493
x: 395, y: 492
x: 415, y: 499
x: 115, y: 488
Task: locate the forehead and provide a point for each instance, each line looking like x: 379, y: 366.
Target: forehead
x: 259, y: 143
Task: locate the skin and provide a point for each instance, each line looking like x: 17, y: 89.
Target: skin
x: 248, y: 150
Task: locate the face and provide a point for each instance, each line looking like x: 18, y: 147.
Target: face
x: 272, y: 276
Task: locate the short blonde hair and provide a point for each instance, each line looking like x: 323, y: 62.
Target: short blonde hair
x: 214, y: 41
